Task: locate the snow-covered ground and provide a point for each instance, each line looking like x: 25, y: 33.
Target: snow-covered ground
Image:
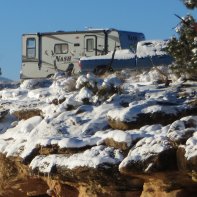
x: 74, y: 115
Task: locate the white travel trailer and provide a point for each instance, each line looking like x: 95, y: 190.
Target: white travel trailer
x: 45, y: 53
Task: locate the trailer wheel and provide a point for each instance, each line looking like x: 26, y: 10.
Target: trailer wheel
x: 100, y: 70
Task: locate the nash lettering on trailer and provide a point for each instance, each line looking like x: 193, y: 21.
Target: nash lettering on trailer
x: 63, y: 59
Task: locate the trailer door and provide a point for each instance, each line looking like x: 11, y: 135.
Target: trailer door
x: 30, y: 56
x: 90, y: 45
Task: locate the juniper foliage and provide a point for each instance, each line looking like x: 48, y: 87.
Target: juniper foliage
x: 183, y: 47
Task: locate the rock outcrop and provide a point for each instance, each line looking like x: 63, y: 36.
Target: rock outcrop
x: 137, y: 142
x: 134, y: 117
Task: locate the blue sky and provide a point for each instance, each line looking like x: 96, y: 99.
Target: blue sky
x: 155, y: 18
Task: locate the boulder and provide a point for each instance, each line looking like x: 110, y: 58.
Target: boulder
x: 16, y: 181
x: 151, y: 154
x: 181, y: 130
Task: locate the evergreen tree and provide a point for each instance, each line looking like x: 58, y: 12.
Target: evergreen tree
x: 191, y: 4
x: 184, y: 48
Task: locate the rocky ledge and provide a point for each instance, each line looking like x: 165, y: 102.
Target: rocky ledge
x: 104, y: 137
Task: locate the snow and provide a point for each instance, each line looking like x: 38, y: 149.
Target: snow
x: 191, y: 147
x: 90, y: 158
x: 84, y: 93
x: 151, y: 48
x: 116, y: 135
x: 142, y: 107
x: 144, y: 49
x: 119, y: 54
x: 84, y: 127
x: 77, y: 143
x: 146, y: 148
x: 112, y: 81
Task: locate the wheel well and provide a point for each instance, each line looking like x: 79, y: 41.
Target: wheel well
x: 100, y: 69
x: 49, y: 76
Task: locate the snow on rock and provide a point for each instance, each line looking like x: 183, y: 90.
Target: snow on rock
x: 135, y: 108
x: 12, y: 94
x: 122, y: 140
x: 191, y: 147
x: 22, y: 128
x: 181, y: 130
x: 91, y: 158
x: 28, y: 84
x: 112, y: 81
x: 130, y: 113
x: 152, y: 130
x: 98, y: 120
x: 156, y: 108
x: 154, y: 75
x: 152, y: 105
x: 116, y: 135
x: 149, y: 154
x: 35, y: 83
x: 69, y: 84
x: 6, y: 121
x: 84, y: 93
x: 77, y: 143
x: 65, y: 83
x: 186, y: 130
x: 3, y: 145
x: 43, y: 163
x: 27, y: 134
x: 81, y: 80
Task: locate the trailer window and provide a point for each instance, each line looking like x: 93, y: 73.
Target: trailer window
x: 61, y: 48
x: 76, y: 44
x: 90, y: 45
x: 31, y: 48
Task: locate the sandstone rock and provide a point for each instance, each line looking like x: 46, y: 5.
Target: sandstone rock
x: 117, y: 138
x: 115, y: 144
x: 16, y: 181
x: 27, y: 113
x: 186, y: 157
x: 104, y: 182
x: 59, y: 189
x: 168, y: 188
x: 181, y: 160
